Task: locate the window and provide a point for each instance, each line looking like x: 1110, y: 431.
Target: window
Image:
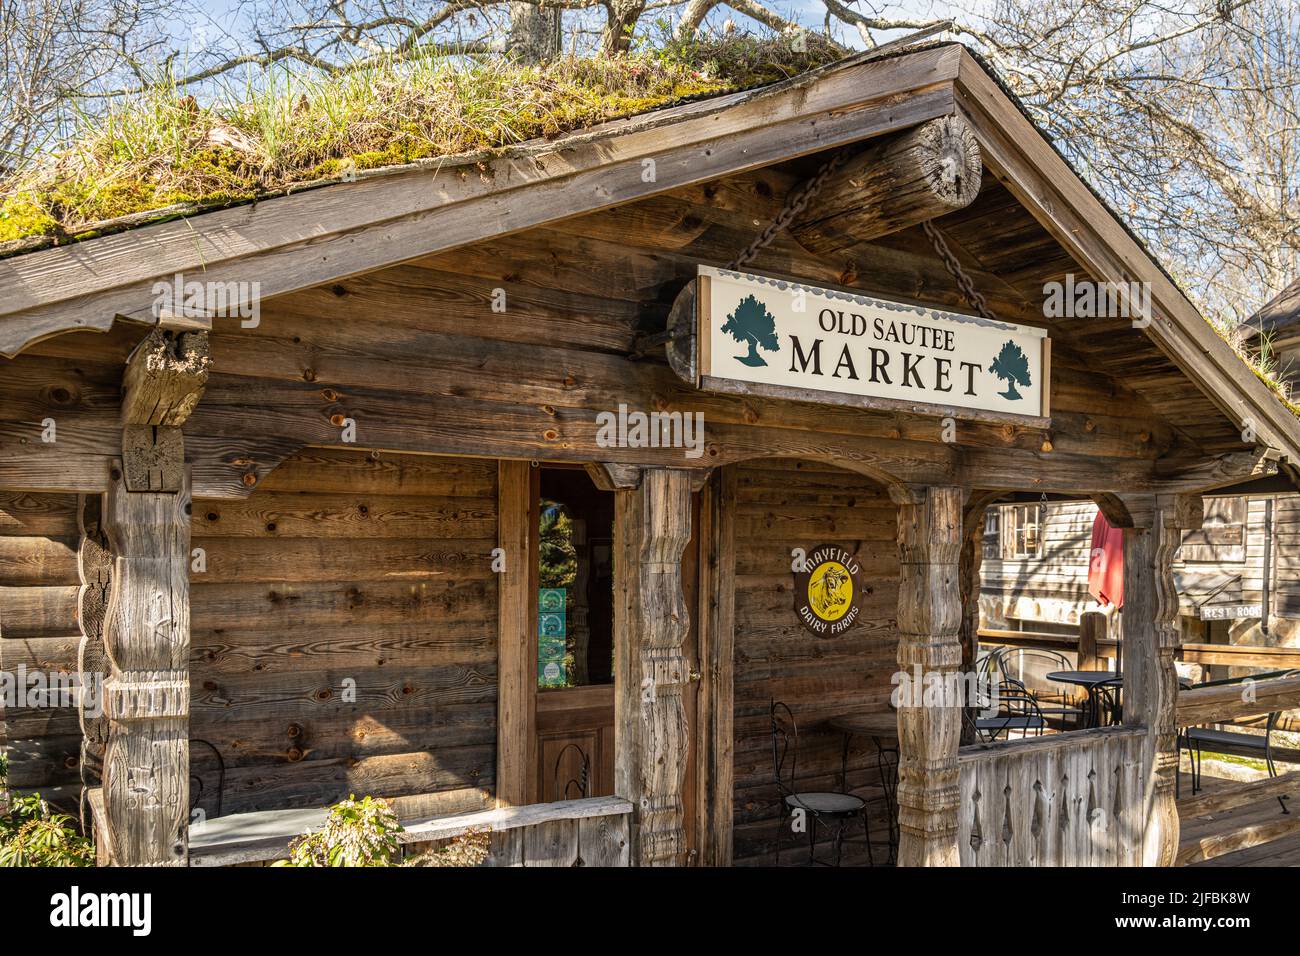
x: 992, y: 539
x: 575, y: 580
x: 1222, y: 537
x: 1019, y: 530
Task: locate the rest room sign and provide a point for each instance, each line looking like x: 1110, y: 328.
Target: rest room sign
x: 766, y: 336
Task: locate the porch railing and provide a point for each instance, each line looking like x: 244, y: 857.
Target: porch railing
x: 1061, y: 800
x: 590, y: 832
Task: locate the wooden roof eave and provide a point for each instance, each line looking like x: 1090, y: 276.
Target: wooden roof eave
x: 1016, y: 152
x: 324, y: 235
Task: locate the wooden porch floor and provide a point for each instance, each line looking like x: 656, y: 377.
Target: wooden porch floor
x: 1231, y: 823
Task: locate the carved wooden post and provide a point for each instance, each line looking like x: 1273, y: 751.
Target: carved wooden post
x: 929, y: 620
x: 146, y: 518
x: 1151, y: 637
x: 95, y: 569
x: 147, y: 695
x: 652, y: 526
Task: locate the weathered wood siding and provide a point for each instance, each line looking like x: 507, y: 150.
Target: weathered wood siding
x: 782, y: 505
x: 344, y: 634
x: 1064, y: 800
x: 38, y: 632
x: 1053, y: 586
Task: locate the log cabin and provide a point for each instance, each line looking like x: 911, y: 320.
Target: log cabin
x: 357, y: 490
x: 1236, y: 575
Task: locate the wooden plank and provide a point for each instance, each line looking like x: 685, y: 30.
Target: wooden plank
x: 1237, y: 794
x: 1241, y: 655
x: 1204, y: 705
x: 511, y: 818
x: 554, y: 843
x: 604, y: 841
x: 516, y: 615
x: 1269, y: 825
x: 717, y: 638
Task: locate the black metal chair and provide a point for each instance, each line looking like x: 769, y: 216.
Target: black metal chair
x: 1052, y: 700
x: 1018, y: 710
x: 1110, y: 702
x: 814, y: 806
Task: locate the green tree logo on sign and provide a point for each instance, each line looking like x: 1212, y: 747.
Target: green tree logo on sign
x: 753, y: 324
x: 1011, y: 366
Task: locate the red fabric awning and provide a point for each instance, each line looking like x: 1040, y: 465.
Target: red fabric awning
x: 1106, y: 563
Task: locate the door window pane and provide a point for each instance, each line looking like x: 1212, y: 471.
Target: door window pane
x: 575, y: 596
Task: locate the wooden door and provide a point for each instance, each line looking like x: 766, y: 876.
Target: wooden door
x: 573, y: 749
x: 575, y: 743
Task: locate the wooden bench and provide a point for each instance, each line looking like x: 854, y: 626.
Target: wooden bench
x: 1197, y: 738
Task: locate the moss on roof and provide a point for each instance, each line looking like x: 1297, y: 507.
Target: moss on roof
x: 161, y: 150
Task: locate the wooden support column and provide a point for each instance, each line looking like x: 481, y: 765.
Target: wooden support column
x: 968, y: 577
x: 146, y: 521
x: 1093, y: 627
x: 95, y: 569
x: 652, y: 526
x: 516, y: 634
x: 717, y: 632
x: 1151, y: 638
x: 147, y: 694
x: 929, y: 622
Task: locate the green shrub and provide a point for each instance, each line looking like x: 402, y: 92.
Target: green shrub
x: 33, y: 835
x: 356, y: 833
x: 468, y: 849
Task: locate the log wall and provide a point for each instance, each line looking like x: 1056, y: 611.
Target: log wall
x: 344, y: 634
x: 781, y: 505
x: 38, y: 632
x: 1053, y: 586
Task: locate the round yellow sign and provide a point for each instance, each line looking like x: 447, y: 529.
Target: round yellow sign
x: 830, y: 590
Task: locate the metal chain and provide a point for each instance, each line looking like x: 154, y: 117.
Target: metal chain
x: 798, y: 201
x: 954, y: 268
x: 795, y: 204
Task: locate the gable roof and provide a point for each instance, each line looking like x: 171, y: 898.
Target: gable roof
x: 1280, y: 316
x: 391, y: 216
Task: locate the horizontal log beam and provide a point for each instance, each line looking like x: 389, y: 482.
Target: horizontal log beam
x: 1205, y: 705
x: 921, y: 174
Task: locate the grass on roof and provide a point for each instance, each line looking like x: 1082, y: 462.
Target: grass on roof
x: 283, y: 127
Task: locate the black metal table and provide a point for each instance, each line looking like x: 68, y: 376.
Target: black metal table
x: 883, y: 730
x: 1090, y: 681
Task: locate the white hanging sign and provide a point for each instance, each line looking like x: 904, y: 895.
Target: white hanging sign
x: 766, y: 336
